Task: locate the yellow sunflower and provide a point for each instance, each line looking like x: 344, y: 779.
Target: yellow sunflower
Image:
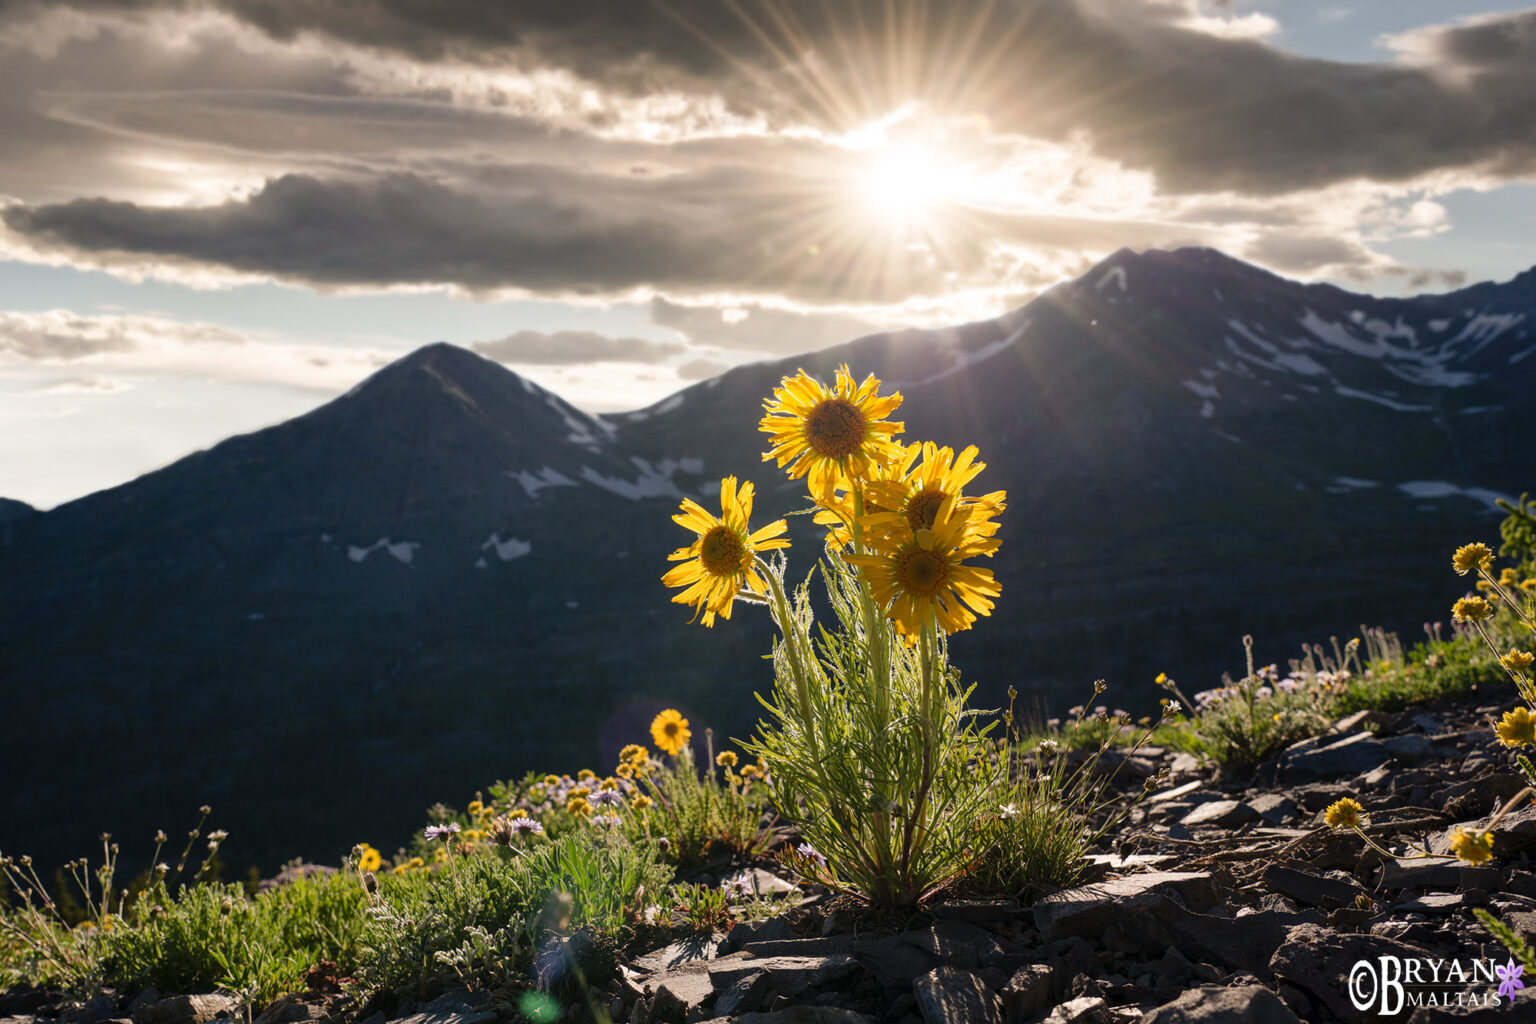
x: 370, y: 859
x: 669, y: 731
x: 831, y: 434
x: 919, y: 573
x: 718, y: 565
x: 838, y: 508
x: 913, y: 500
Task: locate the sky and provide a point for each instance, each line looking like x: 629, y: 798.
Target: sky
x: 219, y: 214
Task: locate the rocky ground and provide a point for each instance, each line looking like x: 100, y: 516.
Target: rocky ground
x: 1217, y: 902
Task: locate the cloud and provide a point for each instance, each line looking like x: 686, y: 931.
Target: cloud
x: 562, y: 347
x: 59, y: 335
x: 538, y: 229
x: 1138, y: 75
x: 701, y: 369
x: 143, y: 346
x: 86, y: 386
x: 759, y: 328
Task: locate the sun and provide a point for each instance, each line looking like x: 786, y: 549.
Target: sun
x: 907, y: 183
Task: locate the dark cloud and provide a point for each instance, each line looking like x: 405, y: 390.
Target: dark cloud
x: 544, y: 229
x: 1306, y: 254
x: 1202, y: 111
x: 564, y: 347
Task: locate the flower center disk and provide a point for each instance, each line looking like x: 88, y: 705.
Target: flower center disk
x: 721, y: 551
x: 835, y: 429
x: 922, y: 573
x: 923, y: 509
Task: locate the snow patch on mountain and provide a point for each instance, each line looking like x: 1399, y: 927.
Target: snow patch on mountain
x: 652, y: 482
x: 1441, y: 489
x: 401, y: 551
x: 1115, y: 274
x: 1482, y: 330
x: 1201, y: 390
x: 1345, y: 392
x: 508, y: 549
x: 535, y: 482
x: 966, y: 359
x: 1292, y: 362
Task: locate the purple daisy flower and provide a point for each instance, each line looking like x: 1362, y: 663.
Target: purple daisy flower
x: 443, y: 832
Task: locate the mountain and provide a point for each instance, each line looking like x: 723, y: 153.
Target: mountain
x: 449, y: 575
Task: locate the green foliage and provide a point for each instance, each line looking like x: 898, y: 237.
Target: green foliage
x: 1518, y: 948
x: 1519, y: 533
x: 1054, y: 803
x: 700, y: 813
x: 870, y: 747
x: 1240, y: 724
x: 489, y: 919
x: 212, y: 936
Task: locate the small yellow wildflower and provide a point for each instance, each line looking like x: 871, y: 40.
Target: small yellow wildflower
x: 609, y: 783
x: 1518, y: 728
x: 1517, y: 660
x: 586, y: 775
x: 625, y: 771
x: 551, y: 780
x: 669, y: 731
x: 1472, y: 846
x: 1471, y: 558
x: 1162, y: 677
x: 475, y: 807
x: 579, y: 792
x: 722, y: 562
x: 398, y: 869
x: 473, y: 835
x: 416, y: 862
x: 633, y: 753
x: 641, y: 802
x: 1345, y: 813
x: 579, y: 807
x: 726, y: 759
x: 370, y: 859
x: 751, y: 771
x: 1508, y: 577
x: 1472, y: 609
x: 1528, y: 584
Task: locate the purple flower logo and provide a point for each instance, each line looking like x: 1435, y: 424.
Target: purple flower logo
x: 1509, y: 979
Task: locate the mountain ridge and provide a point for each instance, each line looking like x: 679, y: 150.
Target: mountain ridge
x: 450, y: 575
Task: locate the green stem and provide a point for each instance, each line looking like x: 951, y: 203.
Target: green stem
x: 790, y: 631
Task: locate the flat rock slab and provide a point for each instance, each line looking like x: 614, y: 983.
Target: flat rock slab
x: 1318, y: 960
x: 791, y: 975
x: 950, y: 995
x: 766, y: 930
x: 184, y: 1010
x: 1242, y: 1004
x: 1353, y: 755
x: 1176, y: 792
x: 679, y: 953
x: 1083, y: 1010
x: 1221, y: 813
x: 1306, y: 887
x: 1089, y: 909
x: 798, y: 1015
